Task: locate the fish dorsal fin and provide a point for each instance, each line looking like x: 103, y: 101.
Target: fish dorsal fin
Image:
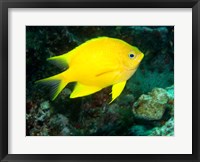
x: 83, y: 90
x: 117, y: 90
x: 62, y: 61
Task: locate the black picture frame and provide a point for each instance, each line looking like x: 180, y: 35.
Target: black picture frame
x: 6, y: 4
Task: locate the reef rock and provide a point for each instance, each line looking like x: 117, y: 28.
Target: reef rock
x: 59, y: 121
x: 151, y: 106
x: 45, y: 105
x: 166, y: 130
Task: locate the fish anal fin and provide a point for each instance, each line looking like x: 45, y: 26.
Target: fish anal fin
x: 117, y: 90
x: 83, y: 90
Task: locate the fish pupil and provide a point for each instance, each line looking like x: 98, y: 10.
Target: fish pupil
x: 131, y: 55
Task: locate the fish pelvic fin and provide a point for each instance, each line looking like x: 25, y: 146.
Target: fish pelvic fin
x: 117, y: 90
x: 56, y: 82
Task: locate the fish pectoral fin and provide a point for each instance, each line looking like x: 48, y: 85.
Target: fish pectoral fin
x: 105, y: 72
x: 117, y: 90
x: 83, y: 90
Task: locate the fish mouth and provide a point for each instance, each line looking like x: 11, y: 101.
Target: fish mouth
x: 141, y: 56
x: 139, y: 59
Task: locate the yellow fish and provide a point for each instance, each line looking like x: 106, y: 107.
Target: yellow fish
x: 94, y: 65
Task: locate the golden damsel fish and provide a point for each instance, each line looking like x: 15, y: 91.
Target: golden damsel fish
x: 94, y: 65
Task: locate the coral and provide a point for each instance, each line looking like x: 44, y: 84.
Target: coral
x: 170, y: 92
x: 165, y: 130
x: 65, y: 132
x: 42, y: 122
x: 43, y: 111
x: 151, y: 106
x: 138, y: 130
x: 37, y: 117
x: 58, y: 120
x: 60, y: 125
x: 45, y: 105
x: 114, y: 121
x: 162, y: 127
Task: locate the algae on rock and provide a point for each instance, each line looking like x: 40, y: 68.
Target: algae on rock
x: 151, y: 106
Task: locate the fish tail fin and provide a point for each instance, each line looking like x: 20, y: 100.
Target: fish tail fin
x: 56, y: 82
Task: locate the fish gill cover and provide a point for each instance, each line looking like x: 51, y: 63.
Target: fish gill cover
x: 145, y: 106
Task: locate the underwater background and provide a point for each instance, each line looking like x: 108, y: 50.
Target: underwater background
x: 145, y: 106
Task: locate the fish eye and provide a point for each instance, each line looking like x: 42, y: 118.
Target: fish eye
x: 131, y: 55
